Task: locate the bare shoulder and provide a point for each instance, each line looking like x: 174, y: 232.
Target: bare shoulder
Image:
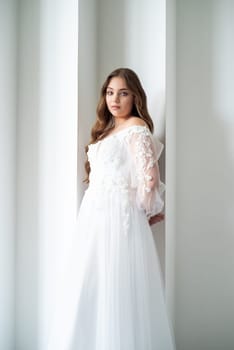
x: 136, y: 121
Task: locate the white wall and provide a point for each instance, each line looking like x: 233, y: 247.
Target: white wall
x: 87, y: 82
x: 170, y: 223
x: 8, y: 88
x: 205, y: 171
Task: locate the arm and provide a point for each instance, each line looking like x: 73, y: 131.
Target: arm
x: 145, y: 172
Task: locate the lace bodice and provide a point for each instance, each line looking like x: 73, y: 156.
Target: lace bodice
x: 127, y: 161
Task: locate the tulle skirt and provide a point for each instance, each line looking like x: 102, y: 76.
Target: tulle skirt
x: 112, y: 296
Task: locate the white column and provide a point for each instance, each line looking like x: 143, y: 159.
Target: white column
x: 8, y: 97
x: 27, y: 301
x: 47, y: 159
x: 58, y: 147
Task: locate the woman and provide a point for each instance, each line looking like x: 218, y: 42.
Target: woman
x: 113, y: 296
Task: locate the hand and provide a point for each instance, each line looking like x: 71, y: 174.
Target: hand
x: 156, y: 218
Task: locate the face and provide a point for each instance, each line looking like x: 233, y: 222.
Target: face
x: 119, y: 98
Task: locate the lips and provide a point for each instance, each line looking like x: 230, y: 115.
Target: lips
x: 115, y: 107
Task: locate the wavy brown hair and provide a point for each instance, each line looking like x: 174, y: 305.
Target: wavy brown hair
x: 104, y: 122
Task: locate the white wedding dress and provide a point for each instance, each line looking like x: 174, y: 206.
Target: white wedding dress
x: 112, y: 296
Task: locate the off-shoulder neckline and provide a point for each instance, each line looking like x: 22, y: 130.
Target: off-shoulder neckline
x: 144, y: 127
x: 124, y: 129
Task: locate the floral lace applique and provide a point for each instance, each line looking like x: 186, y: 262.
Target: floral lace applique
x: 145, y: 171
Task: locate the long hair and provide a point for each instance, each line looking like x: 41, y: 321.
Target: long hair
x: 104, y: 122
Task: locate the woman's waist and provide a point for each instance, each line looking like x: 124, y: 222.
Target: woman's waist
x: 109, y: 182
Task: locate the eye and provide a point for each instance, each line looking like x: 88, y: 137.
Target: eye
x: 109, y: 93
x: 123, y: 93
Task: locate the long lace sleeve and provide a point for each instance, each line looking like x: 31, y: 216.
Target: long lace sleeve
x: 145, y: 175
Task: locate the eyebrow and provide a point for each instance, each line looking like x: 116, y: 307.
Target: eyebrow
x: 108, y: 87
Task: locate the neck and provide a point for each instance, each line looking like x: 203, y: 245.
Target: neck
x: 119, y: 121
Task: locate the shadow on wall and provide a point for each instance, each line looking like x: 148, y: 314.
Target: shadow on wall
x: 205, y: 172
x: 112, y: 33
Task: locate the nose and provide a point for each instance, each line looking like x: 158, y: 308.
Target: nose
x: 116, y: 97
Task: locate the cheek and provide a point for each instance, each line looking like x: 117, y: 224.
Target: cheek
x: 129, y: 104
